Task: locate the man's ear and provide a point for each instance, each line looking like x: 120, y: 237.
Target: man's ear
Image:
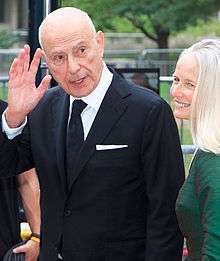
x: 100, y: 38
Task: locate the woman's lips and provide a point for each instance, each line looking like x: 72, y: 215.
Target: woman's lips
x: 181, y: 104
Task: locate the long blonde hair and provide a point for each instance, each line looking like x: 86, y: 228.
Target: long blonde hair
x: 205, y: 107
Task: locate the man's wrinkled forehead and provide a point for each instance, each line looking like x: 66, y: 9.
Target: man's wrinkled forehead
x: 65, y: 23
x: 66, y: 40
x: 68, y: 47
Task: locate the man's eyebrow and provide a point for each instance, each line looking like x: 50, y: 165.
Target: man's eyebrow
x: 58, y: 52
x: 80, y: 44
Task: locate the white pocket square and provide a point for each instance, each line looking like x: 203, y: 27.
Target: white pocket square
x: 110, y: 147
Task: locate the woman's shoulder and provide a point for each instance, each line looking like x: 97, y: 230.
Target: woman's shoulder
x: 205, y: 159
x: 207, y: 168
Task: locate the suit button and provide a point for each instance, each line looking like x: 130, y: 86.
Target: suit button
x: 67, y: 212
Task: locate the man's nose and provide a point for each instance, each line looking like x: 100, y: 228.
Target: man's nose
x: 73, y: 65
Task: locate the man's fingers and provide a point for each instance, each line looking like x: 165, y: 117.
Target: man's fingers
x: 26, y: 57
x: 35, y: 62
x: 20, y: 249
x: 12, y: 71
x: 31, y: 250
x: 20, y: 62
x: 44, y: 85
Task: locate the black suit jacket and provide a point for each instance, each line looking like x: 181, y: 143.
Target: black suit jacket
x: 120, y: 203
x: 9, y: 214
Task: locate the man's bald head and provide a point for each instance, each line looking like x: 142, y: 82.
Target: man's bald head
x: 62, y: 21
x: 73, y: 50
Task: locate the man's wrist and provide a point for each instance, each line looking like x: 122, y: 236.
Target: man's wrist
x: 14, y: 120
x: 34, y: 234
x: 35, y: 237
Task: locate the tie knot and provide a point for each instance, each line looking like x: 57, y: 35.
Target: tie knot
x: 78, y: 106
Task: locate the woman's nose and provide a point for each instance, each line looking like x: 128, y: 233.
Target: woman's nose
x: 175, y: 90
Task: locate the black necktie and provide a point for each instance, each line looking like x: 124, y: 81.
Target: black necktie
x: 75, y: 138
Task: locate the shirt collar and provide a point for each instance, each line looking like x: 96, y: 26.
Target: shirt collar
x: 94, y: 99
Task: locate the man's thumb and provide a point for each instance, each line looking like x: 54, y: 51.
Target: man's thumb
x: 20, y: 249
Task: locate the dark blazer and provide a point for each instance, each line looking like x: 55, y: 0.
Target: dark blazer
x: 120, y: 203
x: 9, y: 214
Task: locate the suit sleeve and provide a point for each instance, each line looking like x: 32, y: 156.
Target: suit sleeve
x: 164, y: 175
x: 208, y: 191
x: 15, y: 154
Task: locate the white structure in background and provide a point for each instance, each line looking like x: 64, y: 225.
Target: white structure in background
x: 13, y: 14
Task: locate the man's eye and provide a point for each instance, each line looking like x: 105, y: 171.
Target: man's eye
x: 82, y: 50
x: 58, y: 57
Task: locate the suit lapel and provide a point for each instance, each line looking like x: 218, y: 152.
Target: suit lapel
x: 60, y: 113
x: 113, y: 106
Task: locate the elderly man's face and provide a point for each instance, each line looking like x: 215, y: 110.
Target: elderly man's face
x: 75, y: 60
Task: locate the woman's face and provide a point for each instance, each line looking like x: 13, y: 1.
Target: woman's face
x: 183, y: 86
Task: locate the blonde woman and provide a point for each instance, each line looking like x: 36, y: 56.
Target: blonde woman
x: 196, y: 94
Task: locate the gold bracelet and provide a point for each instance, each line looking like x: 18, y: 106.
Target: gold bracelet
x: 35, y: 239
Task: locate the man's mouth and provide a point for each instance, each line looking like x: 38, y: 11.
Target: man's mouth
x: 78, y: 81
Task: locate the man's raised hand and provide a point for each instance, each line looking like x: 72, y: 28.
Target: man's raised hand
x: 23, y: 95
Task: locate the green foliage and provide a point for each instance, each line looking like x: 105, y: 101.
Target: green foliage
x: 7, y: 39
x: 122, y: 25
x: 156, y: 19
x: 165, y: 91
x: 3, y: 91
x: 204, y: 28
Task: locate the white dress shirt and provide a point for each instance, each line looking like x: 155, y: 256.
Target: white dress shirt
x: 93, y: 101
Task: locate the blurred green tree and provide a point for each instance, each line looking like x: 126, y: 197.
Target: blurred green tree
x: 7, y: 38
x: 155, y: 18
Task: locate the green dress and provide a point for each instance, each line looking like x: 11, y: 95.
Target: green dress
x: 198, y: 208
